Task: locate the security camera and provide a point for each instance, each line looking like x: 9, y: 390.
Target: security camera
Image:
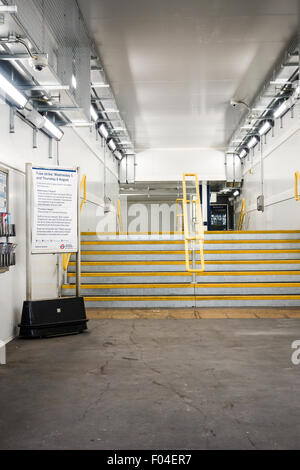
x: 234, y: 103
x: 39, y: 62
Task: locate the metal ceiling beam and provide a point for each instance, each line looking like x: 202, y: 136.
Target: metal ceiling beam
x: 14, y: 56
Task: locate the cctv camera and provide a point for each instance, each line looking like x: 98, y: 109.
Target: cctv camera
x: 234, y: 103
x: 39, y: 62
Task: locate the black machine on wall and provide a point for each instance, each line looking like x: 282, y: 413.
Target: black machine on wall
x: 219, y: 217
x: 7, y: 229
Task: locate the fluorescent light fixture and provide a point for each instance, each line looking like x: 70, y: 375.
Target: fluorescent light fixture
x: 94, y: 114
x: 118, y: 155
x: 280, y: 81
x: 252, y: 142
x: 243, y: 153
x: 74, y: 81
x: 236, y: 193
x: 100, y: 85
x: 12, y: 92
x: 103, y: 131
x: 280, y: 110
x: 264, y: 128
x: 8, y: 9
x: 111, y: 111
x: 53, y: 130
x: 112, y: 145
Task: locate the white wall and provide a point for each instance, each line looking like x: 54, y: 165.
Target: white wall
x: 280, y: 161
x: 170, y: 164
x: 79, y: 147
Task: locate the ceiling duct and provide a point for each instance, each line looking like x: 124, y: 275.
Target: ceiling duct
x: 56, y: 28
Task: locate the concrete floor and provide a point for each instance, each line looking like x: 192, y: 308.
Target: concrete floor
x: 154, y: 384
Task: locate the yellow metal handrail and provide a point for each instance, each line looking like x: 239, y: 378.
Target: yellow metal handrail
x: 120, y: 222
x: 67, y: 256
x: 198, y: 223
x: 242, y: 215
x: 179, y: 200
x: 297, y: 177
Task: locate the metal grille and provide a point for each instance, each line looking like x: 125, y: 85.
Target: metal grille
x: 57, y: 28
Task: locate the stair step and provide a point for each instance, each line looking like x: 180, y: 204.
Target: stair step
x: 169, y: 277
x: 199, y: 301
x: 172, y: 246
x: 180, y: 255
x: 179, y: 266
x: 182, y: 289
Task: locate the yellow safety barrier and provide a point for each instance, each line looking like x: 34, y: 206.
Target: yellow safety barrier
x: 120, y: 222
x: 297, y: 177
x: 67, y: 256
x: 198, y: 236
x: 242, y: 215
x: 179, y: 200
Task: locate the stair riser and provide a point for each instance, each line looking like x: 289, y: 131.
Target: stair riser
x: 176, y: 257
x: 189, y: 290
x: 207, y: 236
x: 181, y: 267
x: 180, y: 247
x: 198, y: 304
x: 170, y: 279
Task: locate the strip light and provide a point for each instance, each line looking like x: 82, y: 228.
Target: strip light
x: 12, y: 92
x: 53, y: 130
x: 94, y: 114
x: 74, y: 82
x: 281, y: 110
x: 243, y: 153
x: 252, y: 142
x: 265, y: 128
x: 118, y: 155
x: 112, y: 145
x: 103, y: 131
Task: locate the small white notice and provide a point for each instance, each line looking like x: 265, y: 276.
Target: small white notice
x: 55, y: 200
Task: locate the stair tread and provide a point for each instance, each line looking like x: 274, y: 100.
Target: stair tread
x: 183, y: 285
x: 184, y: 273
x: 193, y: 297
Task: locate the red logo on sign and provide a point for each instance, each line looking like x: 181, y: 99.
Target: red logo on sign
x: 62, y: 247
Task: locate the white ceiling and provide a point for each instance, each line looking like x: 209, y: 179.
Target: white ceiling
x: 174, y: 65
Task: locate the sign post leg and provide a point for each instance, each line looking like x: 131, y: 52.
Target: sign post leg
x: 78, y: 254
x: 28, y: 233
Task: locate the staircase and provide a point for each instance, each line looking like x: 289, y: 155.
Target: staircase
x: 242, y: 269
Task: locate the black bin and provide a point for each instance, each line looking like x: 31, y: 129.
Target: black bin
x: 42, y: 318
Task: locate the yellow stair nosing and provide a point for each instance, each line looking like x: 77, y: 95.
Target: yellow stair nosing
x: 181, y: 242
x: 170, y: 262
x: 185, y: 273
x: 192, y: 298
x: 175, y: 252
x: 209, y: 285
x: 224, y: 232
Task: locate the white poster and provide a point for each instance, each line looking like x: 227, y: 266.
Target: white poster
x: 54, y: 210
x: 3, y: 191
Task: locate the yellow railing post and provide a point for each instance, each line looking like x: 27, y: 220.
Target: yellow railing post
x: 67, y: 256
x: 120, y: 222
x: 242, y: 215
x: 297, y: 177
x: 179, y: 214
x: 199, y: 232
